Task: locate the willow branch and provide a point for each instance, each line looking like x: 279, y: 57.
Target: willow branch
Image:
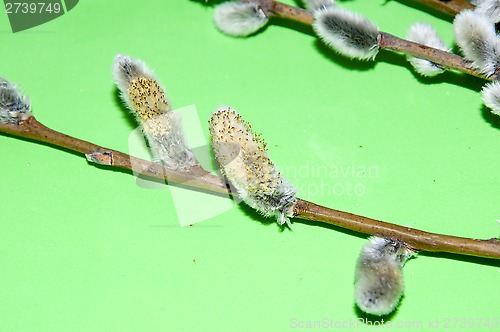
x: 450, y: 7
x: 413, y: 238
x: 194, y: 177
x: 197, y: 178
x: 387, y: 41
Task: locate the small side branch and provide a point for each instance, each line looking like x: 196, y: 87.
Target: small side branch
x: 388, y: 42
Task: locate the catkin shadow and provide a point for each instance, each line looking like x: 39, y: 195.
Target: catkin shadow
x: 256, y: 216
x: 342, y: 60
x: 492, y: 119
x: 378, y: 321
x: 292, y: 25
x: 208, y: 3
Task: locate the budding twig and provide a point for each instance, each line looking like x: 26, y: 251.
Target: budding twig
x: 23, y: 124
x: 196, y: 177
x: 414, y: 238
x: 386, y: 41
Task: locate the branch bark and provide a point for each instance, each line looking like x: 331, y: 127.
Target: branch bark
x: 198, y: 178
x: 413, y: 238
x: 450, y: 7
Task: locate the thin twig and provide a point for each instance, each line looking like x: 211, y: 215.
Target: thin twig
x: 413, y: 238
x: 195, y: 177
x: 439, y: 57
x: 387, y: 41
x: 198, y: 178
x: 450, y: 7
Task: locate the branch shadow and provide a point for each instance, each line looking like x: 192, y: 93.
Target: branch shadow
x: 461, y: 258
x: 369, y: 319
x: 208, y: 3
x: 342, y: 60
x: 415, y: 4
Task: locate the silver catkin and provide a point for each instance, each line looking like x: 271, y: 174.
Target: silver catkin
x: 425, y: 34
x: 348, y: 33
x: 239, y: 19
x: 476, y: 36
x: 379, y: 275
x: 14, y: 105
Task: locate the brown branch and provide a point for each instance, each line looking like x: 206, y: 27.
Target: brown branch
x: 413, y: 238
x: 195, y: 177
x: 387, y: 42
x: 198, y: 178
x: 450, y: 7
x: 444, y: 59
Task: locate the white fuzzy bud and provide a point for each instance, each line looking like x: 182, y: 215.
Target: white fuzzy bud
x: 239, y: 19
x: 146, y: 99
x: 244, y: 162
x: 379, y: 275
x: 491, y: 96
x: 348, y: 33
x: 476, y: 36
x: 425, y: 34
x: 14, y: 105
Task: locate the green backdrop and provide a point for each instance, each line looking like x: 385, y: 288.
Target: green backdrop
x: 86, y: 248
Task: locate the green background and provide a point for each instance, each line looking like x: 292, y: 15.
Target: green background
x: 85, y: 248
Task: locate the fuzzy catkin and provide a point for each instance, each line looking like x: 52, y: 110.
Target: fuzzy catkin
x: 146, y: 99
x: 14, y: 105
x: 379, y: 275
x: 491, y: 96
x: 348, y: 33
x: 425, y: 34
x: 244, y: 162
x: 239, y: 19
x: 476, y: 36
